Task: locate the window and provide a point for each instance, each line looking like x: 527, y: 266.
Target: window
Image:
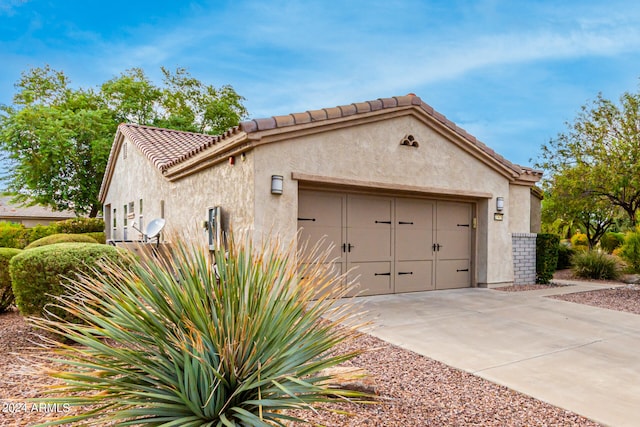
x: 124, y: 223
x: 141, y: 217
x: 115, y: 224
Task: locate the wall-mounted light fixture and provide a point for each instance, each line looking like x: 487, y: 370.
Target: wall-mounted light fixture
x: 500, y: 204
x: 276, y: 184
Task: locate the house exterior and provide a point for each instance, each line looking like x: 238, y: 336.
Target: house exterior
x: 408, y: 198
x: 30, y: 216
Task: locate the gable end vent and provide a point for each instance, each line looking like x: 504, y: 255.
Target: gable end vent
x: 410, y: 141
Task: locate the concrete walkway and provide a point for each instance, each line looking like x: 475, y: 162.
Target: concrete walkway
x: 577, y: 357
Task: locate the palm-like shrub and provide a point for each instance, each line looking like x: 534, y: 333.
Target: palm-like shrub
x: 195, y: 345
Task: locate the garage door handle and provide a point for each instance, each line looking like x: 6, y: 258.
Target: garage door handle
x: 405, y: 272
x: 383, y: 222
x: 382, y: 274
x: 462, y: 225
x: 306, y: 219
x: 406, y: 222
x: 464, y: 269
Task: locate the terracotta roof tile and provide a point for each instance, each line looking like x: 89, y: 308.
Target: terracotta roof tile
x: 333, y: 113
x: 376, y: 105
x: 266, y: 123
x: 389, y: 102
x: 282, y: 121
x: 166, y: 147
x: 348, y: 110
x: 318, y: 115
x: 301, y: 118
x: 362, y: 107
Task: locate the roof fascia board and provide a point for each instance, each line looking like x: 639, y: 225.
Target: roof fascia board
x: 373, y: 185
x: 111, y: 163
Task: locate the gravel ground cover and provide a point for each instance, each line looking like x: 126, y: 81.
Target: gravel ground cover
x: 521, y: 288
x: 413, y: 390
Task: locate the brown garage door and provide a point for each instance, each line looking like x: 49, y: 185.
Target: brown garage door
x: 392, y: 244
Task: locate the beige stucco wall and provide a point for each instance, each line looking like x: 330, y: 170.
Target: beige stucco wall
x: 186, y: 202
x: 373, y: 153
x: 519, y: 210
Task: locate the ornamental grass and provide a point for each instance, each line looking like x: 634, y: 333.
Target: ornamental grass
x: 179, y: 342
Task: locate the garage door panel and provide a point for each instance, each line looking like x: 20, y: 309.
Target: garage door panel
x: 320, y: 216
x: 370, y: 244
x: 412, y: 276
x: 453, y: 244
x: 414, y: 229
x: 452, y: 274
x: 374, y: 278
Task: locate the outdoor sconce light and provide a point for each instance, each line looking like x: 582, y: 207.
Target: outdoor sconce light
x: 276, y: 184
x: 500, y: 204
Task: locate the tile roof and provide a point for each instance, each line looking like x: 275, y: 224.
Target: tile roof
x: 9, y: 210
x: 166, y: 147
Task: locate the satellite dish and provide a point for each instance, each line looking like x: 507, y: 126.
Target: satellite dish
x: 155, y: 227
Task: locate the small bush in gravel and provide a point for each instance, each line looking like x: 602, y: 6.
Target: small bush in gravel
x: 630, y: 250
x: 38, y: 274
x: 80, y: 225
x: 609, y: 242
x: 61, y: 238
x: 6, y: 292
x: 198, y: 346
x: 596, y: 265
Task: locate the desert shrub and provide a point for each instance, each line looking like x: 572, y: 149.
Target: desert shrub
x: 6, y: 292
x: 61, y: 238
x: 630, y: 250
x: 98, y: 236
x: 38, y: 274
x: 80, y: 225
x: 609, y: 242
x: 580, y: 242
x: 12, y: 235
x: 546, y: 256
x: 565, y: 252
x: 197, y: 349
x: 595, y: 265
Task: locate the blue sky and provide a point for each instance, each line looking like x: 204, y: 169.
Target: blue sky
x: 509, y: 72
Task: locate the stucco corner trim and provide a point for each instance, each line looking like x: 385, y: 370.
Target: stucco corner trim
x: 385, y: 186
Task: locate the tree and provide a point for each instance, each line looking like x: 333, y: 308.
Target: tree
x: 565, y: 207
x: 600, y: 153
x: 58, y: 138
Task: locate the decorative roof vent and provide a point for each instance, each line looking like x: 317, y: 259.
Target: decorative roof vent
x: 410, y: 141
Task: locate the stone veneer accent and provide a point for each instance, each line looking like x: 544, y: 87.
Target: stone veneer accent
x: 524, y: 258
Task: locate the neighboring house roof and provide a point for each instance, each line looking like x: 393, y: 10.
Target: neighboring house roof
x: 177, y: 154
x: 12, y: 212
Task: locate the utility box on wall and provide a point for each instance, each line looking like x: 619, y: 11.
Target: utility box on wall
x: 214, y: 227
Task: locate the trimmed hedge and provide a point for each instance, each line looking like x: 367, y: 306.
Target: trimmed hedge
x: 61, y: 238
x: 546, y: 256
x: 80, y: 225
x: 99, y: 236
x: 13, y: 235
x: 6, y: 291
x: 39, y: 274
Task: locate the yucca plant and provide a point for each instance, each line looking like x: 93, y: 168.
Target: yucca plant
x: 181, y: 343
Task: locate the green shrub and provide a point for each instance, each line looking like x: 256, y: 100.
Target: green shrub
x: 580, y: 242
x: 40, y: 231
x: 12, y: 235
x: 37, y: 274
x: 194, y: 349
x: 630, y: 250
x: 609, y: 242
x: 80, y: 225
x: 61, y: 238
x: 546, y: 256
x: 6, y: 292
x: 565, y: 252
x: 98, y: 236
x: 595, y: 265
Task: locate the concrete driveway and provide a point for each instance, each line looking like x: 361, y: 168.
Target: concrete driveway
x: 580, y: 358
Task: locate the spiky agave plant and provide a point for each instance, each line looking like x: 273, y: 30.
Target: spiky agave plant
x: 179, y: 343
